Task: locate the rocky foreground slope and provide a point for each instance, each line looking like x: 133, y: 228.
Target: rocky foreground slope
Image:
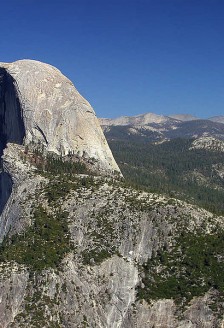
x: 87, y: 251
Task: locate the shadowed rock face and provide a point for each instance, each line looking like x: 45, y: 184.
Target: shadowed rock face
x: 5, y: 189
x: 11, y: 121
x: 11, y: 128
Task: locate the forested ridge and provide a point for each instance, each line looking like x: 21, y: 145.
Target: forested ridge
x: 172, y: 168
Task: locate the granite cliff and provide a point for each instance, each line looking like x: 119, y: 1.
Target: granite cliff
x: 84, y: 249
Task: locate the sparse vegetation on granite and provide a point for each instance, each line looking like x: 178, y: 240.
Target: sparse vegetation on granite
x: 42, y: 245
x: 193, y: 266
x: 61, y: 185
x: 49, y: 163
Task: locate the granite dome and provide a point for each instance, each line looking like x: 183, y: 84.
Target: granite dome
x: 53, y: 113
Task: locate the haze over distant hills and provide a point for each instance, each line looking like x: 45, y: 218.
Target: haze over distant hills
x: 184, y: 117
x: 148, y: 118
x: 219, y: 119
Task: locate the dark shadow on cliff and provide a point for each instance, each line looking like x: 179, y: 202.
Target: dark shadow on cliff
x: 5, y: 189
x: 12, y: 128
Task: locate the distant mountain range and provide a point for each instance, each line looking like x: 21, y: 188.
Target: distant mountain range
x: 219, y: 119
x: 148, y: 118
x: 158, y: 128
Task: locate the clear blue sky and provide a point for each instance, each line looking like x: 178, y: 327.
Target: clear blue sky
x: 126, y: 56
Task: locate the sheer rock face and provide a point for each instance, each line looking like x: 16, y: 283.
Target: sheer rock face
x: 55, y: 114
x: 11, y: 121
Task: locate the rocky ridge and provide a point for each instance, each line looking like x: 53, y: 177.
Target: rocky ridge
x: 208, y: 143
